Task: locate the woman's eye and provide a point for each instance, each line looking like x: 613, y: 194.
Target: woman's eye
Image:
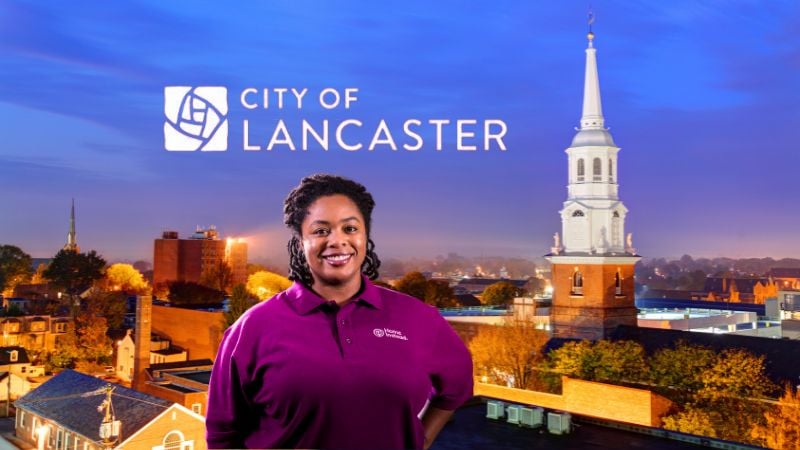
x: 350, y: 229
x: 321, y: 231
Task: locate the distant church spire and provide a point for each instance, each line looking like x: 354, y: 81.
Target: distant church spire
x: 72, y: 240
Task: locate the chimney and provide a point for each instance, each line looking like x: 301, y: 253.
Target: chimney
x: 144, y: 313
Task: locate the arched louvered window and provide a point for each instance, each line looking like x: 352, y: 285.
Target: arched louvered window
x: 597, y: 168
x: 577, y: 283
x: 577, y: 213
x: 581, y: 170
x: 610, y: 170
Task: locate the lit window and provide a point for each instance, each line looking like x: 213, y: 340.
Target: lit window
x: 197, y: 408
x: 577, y: 283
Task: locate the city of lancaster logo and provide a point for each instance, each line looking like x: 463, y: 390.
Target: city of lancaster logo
x: 196, y: 118
x: 388, y: 332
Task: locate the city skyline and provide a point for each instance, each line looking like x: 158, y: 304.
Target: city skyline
x: 699, y: 97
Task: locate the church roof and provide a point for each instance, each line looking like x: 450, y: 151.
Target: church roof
x: 589, y: 138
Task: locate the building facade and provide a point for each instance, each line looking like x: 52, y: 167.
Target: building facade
x: 176, y: 259
x: 592, y: 259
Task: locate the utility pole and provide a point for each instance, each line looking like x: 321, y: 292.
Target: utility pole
x: 110, y: 427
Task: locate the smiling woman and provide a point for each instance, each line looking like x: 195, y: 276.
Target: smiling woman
x: 335, y: 361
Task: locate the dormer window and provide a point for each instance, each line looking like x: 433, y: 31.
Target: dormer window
x: 13, y: 356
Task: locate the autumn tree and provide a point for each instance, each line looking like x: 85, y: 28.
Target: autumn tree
x: 265, y: 284
x: 782, y: 427
x: 75, y: 272
x: 38, y: 276
x: 500, y: 293
x: 125, y: 278
x: 110, y: 305
x: 15, y: 267
x: 509, y: 353
x: 730, y: 401
x: 414, y: 284
x: 436, y: 293
x: 240, y: 301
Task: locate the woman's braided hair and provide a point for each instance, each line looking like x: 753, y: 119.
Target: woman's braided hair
x: 295, y: 209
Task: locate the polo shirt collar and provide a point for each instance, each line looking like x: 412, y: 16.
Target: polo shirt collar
x: 304, y: 300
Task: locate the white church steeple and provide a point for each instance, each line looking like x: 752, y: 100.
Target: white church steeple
x: 593, y: 217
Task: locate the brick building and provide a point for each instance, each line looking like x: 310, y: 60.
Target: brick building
x: 176, y: 259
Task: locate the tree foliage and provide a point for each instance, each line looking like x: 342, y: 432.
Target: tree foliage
x: 436, y: 293
x: 782, y: 427
x: 110, y: 305
x: 125, y: 278
x: 264, y: 285
x: 218, y: 275
x: 187, y: 293
x: 509, y: 354
x: 15, y: 267
x: 603, y: 361
x: 500, y: 293
x: 730, y: 403
x: 75, y: 272
x: 413, y: 284
x: 678, y: 372
x: 240, y: 301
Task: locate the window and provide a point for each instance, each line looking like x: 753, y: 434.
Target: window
x: 577, y: 213
x: 610, y: 170
x: 577, y: 283
x: 197, y: 408
x: 13, y: 356
x: 581, y: 170
x: 616, y: 214
x: 617, y: 283
x: 61, y: 327
x: 59, y: 438
x: 596, y: 169
x: 174, y: 441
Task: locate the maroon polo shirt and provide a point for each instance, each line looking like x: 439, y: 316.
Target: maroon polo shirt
x: 300, y: 371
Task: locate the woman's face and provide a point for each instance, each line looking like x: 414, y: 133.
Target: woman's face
x: 334, y: 239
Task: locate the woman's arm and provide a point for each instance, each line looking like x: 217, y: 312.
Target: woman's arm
x: 433, y: 421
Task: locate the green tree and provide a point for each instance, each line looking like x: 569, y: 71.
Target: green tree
x: 264, y: 285
x: 75, y: 272
x: 15, y: 267
x: 414, y: 284
x: 239, y: 302
x: 677, y: 372
x: 187, y: 293
x: 606, y: 361
x: 500, y: 293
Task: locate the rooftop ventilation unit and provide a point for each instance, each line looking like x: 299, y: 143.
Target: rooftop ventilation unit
x: 531, y: 417
x: 559, y: 423
x: 513, y: 414
x: 495, y: 409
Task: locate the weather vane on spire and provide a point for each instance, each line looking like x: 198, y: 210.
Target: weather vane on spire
x: 590, y: 36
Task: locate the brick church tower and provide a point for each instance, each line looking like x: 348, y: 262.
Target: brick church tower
x: 593, y: 266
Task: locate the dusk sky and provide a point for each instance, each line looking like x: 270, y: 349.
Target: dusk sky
x: 703, y: 97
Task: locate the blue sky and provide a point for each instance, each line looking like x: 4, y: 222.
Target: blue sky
x: 702, y: 97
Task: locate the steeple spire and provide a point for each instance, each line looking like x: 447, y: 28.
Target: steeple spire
x: 592, y: 117
x: 72, y: 240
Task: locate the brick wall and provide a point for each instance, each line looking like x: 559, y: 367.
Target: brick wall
x: 199, y: 332
x: 587, y: 398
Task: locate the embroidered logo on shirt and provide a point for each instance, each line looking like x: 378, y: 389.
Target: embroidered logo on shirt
x: 388, y: 332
